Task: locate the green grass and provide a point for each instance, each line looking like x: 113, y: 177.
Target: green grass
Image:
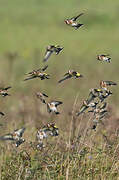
x: 27, y: 27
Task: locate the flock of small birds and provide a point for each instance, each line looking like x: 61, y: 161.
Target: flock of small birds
x: 95, y: 103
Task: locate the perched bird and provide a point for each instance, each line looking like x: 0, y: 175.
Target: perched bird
x: 39, y: 73
x: 42, y: 97
x: 72, y: 21
x: 86, y: 106
x: 16, y: 137
x: 52, y: 106
x: 50, y: 50
x: 70, y: 74
x: 104, y: 58
x: 3, y: 91
x: 104, y: 84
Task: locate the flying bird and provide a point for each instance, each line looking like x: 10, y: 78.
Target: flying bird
x: 39, y: 73
x: 52, y: 106
x: 42, y: 97
x: 53, y: 129
x: 72, y: 21
x: 3, y: 91
x: 50, y: 50
x: 70, y: 74
x: 86, y: 106
x: 104, y: 57
x: 49, y: 129
x: 16, y: 137
x: 104, y: 84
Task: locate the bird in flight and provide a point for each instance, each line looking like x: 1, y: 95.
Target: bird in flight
x: 52, y: 106
x: 85, y: 106
x: 42, y: 97
x: 104, y: 57
x: 50, y: 50
x: 3, y: 91
x: 70, y: 74
x: 104, y: 84
x: 16, y: 137
x: 72, y: 21
x: 39, y: 73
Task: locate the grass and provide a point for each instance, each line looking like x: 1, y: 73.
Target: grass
x: 27, y: 27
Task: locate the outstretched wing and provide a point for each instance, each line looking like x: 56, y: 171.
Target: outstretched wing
x: 103, y: 106
x: 56, y: 103
x: 44, y: 68
x: 7, y: 88
x: 82, y: 109
x: 20, y: 131
x: 67, y: 77
x: 7, y: 137
x: 28, y: 78
x: 110, y: 83
x: 47, y: 55
x: 75, y: 18
x: 45, y: 95
x: 58, y: 50
x: 2, y: 114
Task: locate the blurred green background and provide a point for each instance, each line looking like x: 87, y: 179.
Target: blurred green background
x: 28, y: 26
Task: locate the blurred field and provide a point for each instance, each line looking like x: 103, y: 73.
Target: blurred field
x: 27, y: 27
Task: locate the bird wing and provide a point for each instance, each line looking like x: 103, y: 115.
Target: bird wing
x: 58, y: 50
x: 1, y: 113
x: 42, y: 99
x: 56, y: 103
x: 82, y: 109
x: 44, y: 94
x: 76, y: 17
x: 48, y: 108
x: 105, y: 55
x: 103, y: 106
x: 44, y: 68
x: 91, y: 97
x: 7, y: 137
x: 7, y: 88
x: 67, y: 77
x: 20, y: 131
x: 47, y: 55
x: 110, y: 83
x: 28, y: 78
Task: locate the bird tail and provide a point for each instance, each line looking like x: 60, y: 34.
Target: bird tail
x: 78, y: 26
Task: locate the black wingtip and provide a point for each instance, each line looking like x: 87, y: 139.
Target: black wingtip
x: 57, y: 113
